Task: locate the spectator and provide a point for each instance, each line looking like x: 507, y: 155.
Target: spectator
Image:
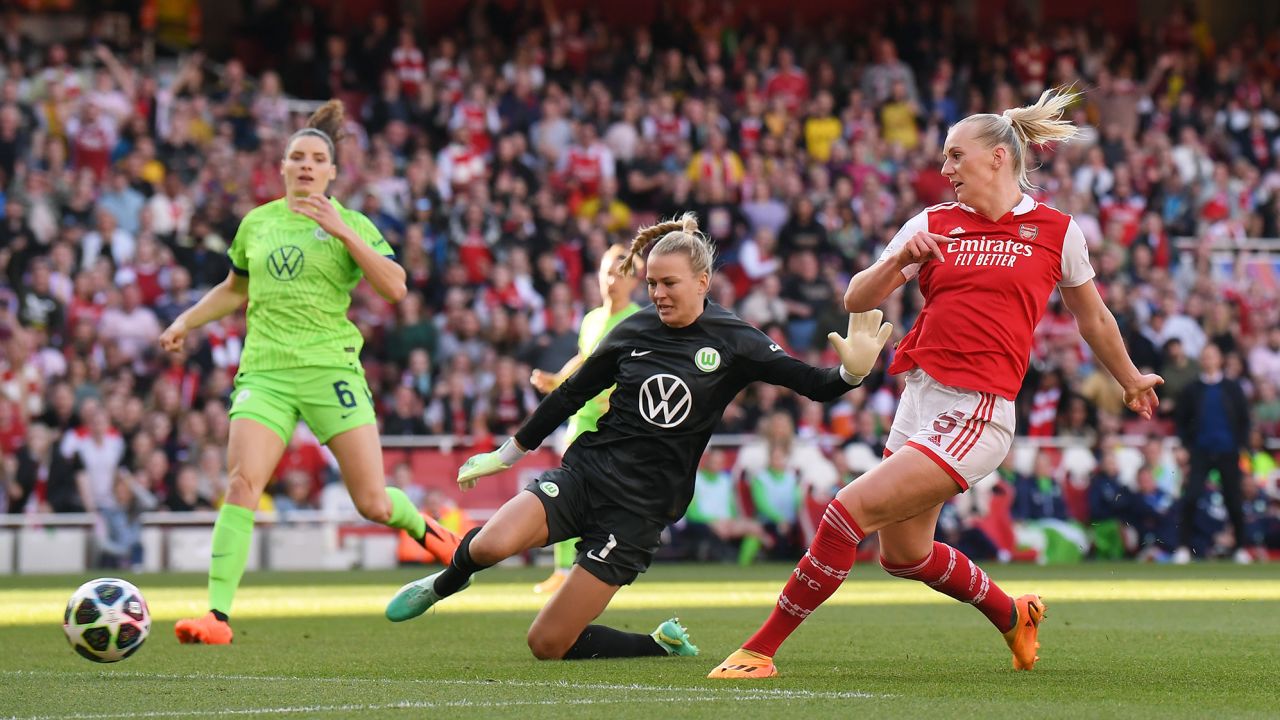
x: 406, y: 414
x: 132, y: 326
x: 775, y: 493
x: 714, y: 520
x: 119, y: 537
x: 186, y: 496
x: 294, y: 494
x: 1153, y: 515
x: 1109, y: 505
x: 1213, y: 425
x: 108, y: 240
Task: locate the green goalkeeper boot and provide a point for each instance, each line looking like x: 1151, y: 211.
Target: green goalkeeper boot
x: 674, y: 638
x: 416, y: 598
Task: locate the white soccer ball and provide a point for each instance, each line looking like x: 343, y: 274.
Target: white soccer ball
x: 107, y: 620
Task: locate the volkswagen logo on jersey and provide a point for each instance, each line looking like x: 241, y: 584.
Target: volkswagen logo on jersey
x: 707, y: 359
x: 665, y: 400
x: 285, y: 262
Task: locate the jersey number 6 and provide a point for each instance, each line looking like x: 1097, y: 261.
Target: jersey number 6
x: 346, y: 398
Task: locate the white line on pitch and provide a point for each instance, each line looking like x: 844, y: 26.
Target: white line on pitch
x: 727, y: 693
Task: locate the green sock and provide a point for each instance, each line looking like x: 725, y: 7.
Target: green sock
x: 748, y: 550
x: 404, y: 515
x: 231, y: 536
x: 564, y: 553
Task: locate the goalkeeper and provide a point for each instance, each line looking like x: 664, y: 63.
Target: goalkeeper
x: 676, y: 364
x: 296, y: 261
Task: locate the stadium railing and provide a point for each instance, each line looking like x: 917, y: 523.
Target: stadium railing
x: 339, y: 539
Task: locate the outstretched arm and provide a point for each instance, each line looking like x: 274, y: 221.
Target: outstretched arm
x: 1098, y: 328
x: 858, y: 352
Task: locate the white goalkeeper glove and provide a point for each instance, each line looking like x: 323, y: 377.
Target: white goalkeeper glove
x: 477, y: 466
x: 859, y: 350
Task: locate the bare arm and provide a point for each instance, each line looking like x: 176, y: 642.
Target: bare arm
x: 384, y: 274
x: 225, y: 298
x: 870, y: 287
x: 912, y: 246
x: 1098, y: 328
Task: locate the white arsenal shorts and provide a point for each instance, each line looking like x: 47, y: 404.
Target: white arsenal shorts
x: 967, y: 433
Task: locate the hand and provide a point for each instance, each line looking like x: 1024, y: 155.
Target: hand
x: 543, y: 382
x: 174, y: 337
x: 867, y: 335
x: 478, y: 466
x: 318, y: 208
x: 1140, y: 397
x: 921, y: 247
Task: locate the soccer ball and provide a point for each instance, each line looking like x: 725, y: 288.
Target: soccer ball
x: 106, y: 620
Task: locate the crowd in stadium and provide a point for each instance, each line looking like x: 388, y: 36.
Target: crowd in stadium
x: 502, y: 166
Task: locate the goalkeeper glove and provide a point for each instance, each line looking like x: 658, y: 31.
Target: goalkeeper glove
x: 858, y: 351
x: 477, y: 466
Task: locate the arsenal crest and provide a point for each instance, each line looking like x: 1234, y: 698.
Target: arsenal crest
x: 1028, y: 232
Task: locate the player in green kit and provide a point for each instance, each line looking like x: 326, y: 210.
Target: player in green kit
x: 296, y: 261
x: 616, y: 288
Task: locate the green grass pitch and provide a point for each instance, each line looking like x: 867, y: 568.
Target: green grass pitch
x: 1121, y: 641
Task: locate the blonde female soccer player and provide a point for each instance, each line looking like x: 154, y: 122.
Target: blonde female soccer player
x: 295, y: 261
x: 987, y: 265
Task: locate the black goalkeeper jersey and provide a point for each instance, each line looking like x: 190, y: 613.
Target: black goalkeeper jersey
x: 672, y: 387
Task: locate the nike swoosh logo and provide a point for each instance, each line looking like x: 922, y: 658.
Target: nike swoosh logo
x: 639, y: 353
x: 344, y: 417
x: 592, y: 554
x: 218, y: 555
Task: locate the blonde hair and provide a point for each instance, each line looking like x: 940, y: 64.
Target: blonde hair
x: 673, y: 236
x: 1031, y: 125
x: 328, y: 123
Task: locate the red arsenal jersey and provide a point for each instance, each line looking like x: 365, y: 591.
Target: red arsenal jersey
x: 983, y: 300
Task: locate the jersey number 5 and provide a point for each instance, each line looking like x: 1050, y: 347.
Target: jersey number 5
x: 945, y: 423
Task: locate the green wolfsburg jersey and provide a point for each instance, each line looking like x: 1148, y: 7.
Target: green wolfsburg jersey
x: 300, y: 282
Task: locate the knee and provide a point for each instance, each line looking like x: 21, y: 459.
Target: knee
x: 871, y: 513
x: 376, y: 509
x: 242, y: 490
x: 546, y: 646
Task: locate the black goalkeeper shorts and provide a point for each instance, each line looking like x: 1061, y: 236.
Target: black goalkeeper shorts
x: 617, y: 544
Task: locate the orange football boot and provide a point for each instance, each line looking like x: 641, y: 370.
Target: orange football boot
x: 204, y: 630
x: 745, y: 664
x: 1022, y: 636
x: 439, y: 541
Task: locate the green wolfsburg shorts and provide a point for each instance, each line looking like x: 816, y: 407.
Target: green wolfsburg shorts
x: 330, y: 400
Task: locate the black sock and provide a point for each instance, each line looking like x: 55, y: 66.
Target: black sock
x: 220, y: 615
x: 598, y: 641
x: 460, y: 569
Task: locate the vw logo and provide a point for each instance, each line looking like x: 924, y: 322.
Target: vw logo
x: 665, y: 400
x: 285, y: 262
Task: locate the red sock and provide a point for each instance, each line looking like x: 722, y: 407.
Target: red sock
x: 815, y: 578
x: 948, y: 571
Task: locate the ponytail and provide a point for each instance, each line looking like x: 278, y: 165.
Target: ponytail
x: 328, y: 123
x: 674, y: 236
x: 1031, y: 125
